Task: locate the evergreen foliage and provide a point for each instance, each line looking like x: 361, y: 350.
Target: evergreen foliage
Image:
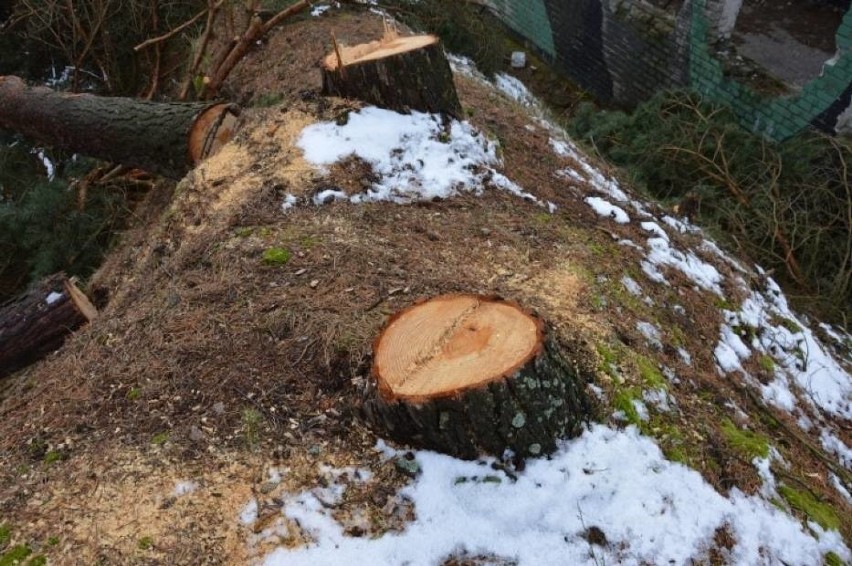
x: 788, y: 206
x: 49, y: 225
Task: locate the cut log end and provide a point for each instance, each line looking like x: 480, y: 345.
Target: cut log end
x: 467, y: 375
x: 453, y: 343
x: 213, y: 128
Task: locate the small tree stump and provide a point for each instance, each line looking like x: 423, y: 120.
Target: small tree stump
x: 38, y: 322
x: 468, y: 374
x: 397, y: 73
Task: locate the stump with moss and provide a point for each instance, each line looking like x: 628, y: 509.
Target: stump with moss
x: 397, y: 73
x: 468, y: 375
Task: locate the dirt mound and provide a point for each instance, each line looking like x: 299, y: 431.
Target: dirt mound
x: 237, y: 336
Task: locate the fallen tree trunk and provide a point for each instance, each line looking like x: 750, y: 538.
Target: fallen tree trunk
x: 397, y: 73
x: 164, y: 138
x: 37, y: 323
x: 467, y: 375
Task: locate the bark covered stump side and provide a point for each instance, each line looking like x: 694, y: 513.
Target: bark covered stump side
x: 418, y: 78
x: 526, y: 411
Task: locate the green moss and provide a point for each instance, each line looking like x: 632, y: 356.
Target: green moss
x: 787, y: 323
x: 15, y: 555
x: 766, y: 363
x: 145, y: 543
x: 650, y: 374
x: 623, y: 401
x: 244, y: 231
x: 609, y: 359
x: 276, y: 256
x: 308, y: 242
x: 39, y: 560
x: 746, y: 442
x: 52, y: 541
x: 543, y: 218
x: 251, y: 421
x: 160, y: 438
x: 832, y: 559
x: 5, y: 535
x: 678, y: 337
x: 671, y: 441
x: 806, y: 503
x: 268, y: 99
x: 52, y: 457
x: 134, y: 394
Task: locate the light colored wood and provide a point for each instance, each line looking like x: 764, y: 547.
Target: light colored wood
x: 211, y: 130
x: 390, y: 44
x: 80, y: 300
x: 453, y: 343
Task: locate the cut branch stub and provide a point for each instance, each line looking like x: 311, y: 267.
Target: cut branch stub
x: 468, y: 374
x: 397, y: 73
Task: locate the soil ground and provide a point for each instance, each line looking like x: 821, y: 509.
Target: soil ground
x: 208, y: 364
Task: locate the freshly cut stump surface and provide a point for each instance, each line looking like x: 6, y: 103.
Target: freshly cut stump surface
x: 397, y: 73
x: 469, y: 374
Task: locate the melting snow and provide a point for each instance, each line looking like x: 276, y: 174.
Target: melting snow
x: 650, y: 510
x: 248, y: 515
x: 415, y: 157
x: 651, y: 334
x: 514, y: 89
x: 184, y: 487
x: 700, y: 272
x: 799, y: 357
x: 288, y: 203
x: 52, y: 297
x: 632, y: 286
x: 606, y: 208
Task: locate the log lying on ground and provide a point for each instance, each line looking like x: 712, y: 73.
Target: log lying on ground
x: 39, y: 321
x: 467, y: 375
x: 397, y: 73
x: 165, y: 138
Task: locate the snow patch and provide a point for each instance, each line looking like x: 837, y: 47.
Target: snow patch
x: 288, y: 203
x: 248, y: 515
x: 184, y: 487
x: 52, y: 297
x: 700, y: 272
x: 606, y: 208
x: 415, y: 157
x: 651, y: 334
x: 650, y: 510
x: 632, y: 286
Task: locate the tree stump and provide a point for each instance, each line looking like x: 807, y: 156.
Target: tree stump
x: 397, y: 73
x: 469, y: 374
x: 37, y: 322
x: 165, y: 138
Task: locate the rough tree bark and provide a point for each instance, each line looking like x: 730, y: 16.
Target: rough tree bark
x: 398, y: 73
x: 160, y: 137
x: 37, y: 322
x: 468, y: 374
